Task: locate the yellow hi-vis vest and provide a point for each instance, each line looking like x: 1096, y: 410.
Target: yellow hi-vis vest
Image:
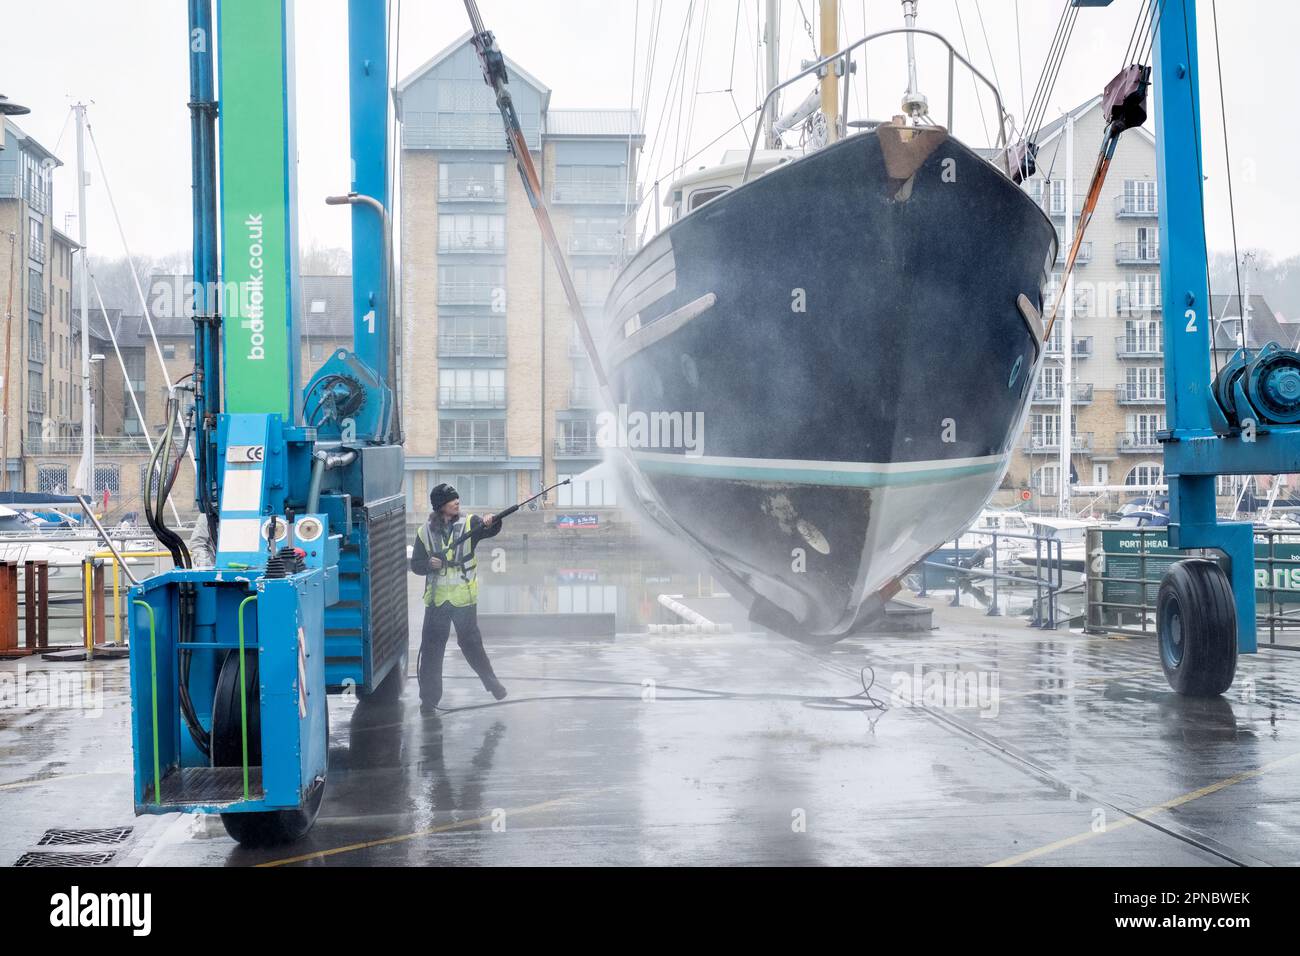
x: 455, y: 581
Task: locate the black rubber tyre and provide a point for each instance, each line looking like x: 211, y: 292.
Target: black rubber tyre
x: 390, y: 689
x: 269, y: 827
x: 1196, y: 627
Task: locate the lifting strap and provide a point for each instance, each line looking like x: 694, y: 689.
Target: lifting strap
x: 1124, y: 106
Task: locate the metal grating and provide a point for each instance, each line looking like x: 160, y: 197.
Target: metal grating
x: 386, y: 577
x: 80, y: 837
x: 207, y: 785
x: 50, y: 858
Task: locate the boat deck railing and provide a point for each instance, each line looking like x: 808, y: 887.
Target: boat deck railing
x: 1005, y: 121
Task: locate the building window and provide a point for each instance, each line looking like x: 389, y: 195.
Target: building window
x: 471, y: 437
x: 169, y: 351
x: 472, y: 181
x: 584, y: 493
x: 467, y: 232
x: 317, y: 306
x: 478, y: 491
x: 464, y: 387
x: 477, y: 285
x: 593, y: 184
x: 1046, y: 480
x: 1146, y: 474
x: 108, y: 478
x: 317, y: 350
x: 51, y: 479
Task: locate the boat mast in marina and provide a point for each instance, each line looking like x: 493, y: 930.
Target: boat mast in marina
x: 830, y: 82
x: 1067, y: 330
x: 772, y: 49
x: 85, y: 478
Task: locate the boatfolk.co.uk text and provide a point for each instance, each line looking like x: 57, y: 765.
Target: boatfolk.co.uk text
x: 627, y: 429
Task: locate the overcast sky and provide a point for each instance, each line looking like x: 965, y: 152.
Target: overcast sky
x: 128, y: 60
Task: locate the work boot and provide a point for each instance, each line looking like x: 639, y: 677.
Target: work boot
x: 427, y: 709
x: 497, y: 688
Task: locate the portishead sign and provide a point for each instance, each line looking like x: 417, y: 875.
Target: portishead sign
x: 1129, y: 556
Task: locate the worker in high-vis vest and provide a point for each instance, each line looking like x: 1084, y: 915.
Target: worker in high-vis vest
x: 450, y: 571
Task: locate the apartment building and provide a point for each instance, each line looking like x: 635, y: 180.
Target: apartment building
x: 499, y: 395
x: 35, y: 284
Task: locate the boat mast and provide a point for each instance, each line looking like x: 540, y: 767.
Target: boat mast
x: 86, y: 469
x: 830, y: 83
x: 914, y: 103
x: 772, y: 48
x: 1067, y: 327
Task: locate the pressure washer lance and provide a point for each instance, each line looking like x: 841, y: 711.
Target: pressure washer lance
x: 511, y: 510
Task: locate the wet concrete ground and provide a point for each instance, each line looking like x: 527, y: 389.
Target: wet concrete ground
x: 1052, y: 749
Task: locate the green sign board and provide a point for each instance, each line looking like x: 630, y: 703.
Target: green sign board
x: 257, y: 206
x: 1131, y: 556
x: 1134, y: 557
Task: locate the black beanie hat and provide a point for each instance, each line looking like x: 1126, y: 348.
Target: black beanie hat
x: 441, y: 494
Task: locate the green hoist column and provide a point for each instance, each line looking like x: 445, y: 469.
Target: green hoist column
x: 259, y: 254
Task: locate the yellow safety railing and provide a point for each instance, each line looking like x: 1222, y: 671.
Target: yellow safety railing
x: 87, y: 585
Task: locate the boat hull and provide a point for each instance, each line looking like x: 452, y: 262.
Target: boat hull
x: 850, y: 351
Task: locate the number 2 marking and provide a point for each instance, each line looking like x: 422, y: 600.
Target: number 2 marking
x: 1191, y: 320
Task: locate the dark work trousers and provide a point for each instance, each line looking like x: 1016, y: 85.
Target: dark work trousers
x: 438, y: 621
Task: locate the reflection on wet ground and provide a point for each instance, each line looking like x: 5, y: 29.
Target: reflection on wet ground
x: 1000, y: 744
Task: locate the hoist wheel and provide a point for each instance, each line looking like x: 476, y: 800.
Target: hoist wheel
x: 264, y: 828
x: 1196, y: 626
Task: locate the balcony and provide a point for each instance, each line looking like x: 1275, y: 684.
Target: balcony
x: 471, y: 190
x: 1056, y: 207
x: 1137, y: 207
x: 1136, y: 442
x: 1137, y: 253
x: 1082, y: 347
x: 595, y: 244
x: 479, y: 344
x: 1055, y: 391
x: 582, y: 396
x: 1044, y: 443
x: 36, y: 350
x: 466, y: 293
x: 593, y: 191
x: 1085, y: 254
x: 1139, y: 346
x: 472, y: 396
x: 9, y: 188
x: 1139, y: 302
x: 577, y: 446
x: 469, y: 241
x: 111, y: 445
x: 1136, y: 394
x: 481, y: 448
x: 37, y: 199
x: 36, y: 250
x: 36, y: 402
x: 36, y: 300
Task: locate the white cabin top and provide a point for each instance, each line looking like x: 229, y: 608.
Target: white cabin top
x: 693, y: 190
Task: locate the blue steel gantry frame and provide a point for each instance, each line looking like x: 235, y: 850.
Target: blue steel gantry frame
x: 1196, y: 452
x: 230, y: 664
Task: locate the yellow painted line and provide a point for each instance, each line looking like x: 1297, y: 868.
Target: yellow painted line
x: 1148, y: 813
x: 418, y: 834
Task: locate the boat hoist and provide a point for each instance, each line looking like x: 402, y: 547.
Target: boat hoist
x: 1244, y: 420
x: 300, y: 489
